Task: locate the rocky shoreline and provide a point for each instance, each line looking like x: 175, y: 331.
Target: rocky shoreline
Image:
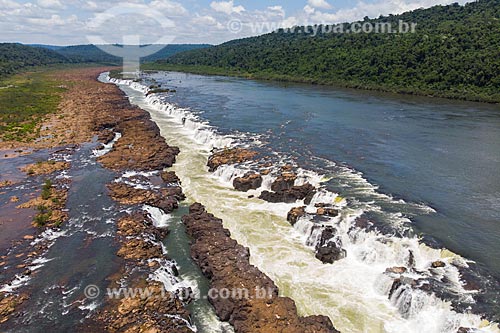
x: 252, y: 303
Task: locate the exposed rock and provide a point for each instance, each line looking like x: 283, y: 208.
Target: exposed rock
x: 250, y: 181
x: 8, y: 305
x: 229, y: 156
x: 465, y: 330
x: 166, y: 199
x: 291, y: 195
x: 411, y: 259
x: 161, y: 313
x: 106, y: 136
x: 140, y: 148
x: 50, y: 206
x: 326, y: 211
x: 226, y: 264
x: 362, y: 222
x: 284, y: 182
x: 44, y: 168
x: 396, y: 270
x: 327, y: 250
x: 295, y: 213
x: 438, y: 264
x: 170, y: 177
x: 137, y: 248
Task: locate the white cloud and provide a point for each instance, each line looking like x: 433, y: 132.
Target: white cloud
x: 226, y: 7
x: 277, y: 9
x: 205, y: 20
x: 50, y: 4
x: 168, y: 7
x: 309, y: 10
x: 8, y: 4
x: 52, y: 21
x: 319, y: 4
x: 375, y: 9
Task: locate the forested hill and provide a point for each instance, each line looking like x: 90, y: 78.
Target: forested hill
x: 14, y: 57
x: 454, y: 53
x: 91, y: 53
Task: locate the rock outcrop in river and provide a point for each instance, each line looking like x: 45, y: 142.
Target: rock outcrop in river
x: 241, y: 293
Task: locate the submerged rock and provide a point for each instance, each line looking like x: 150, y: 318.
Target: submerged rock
x: 295, y: 213
x: 229, y: 156
x: 250, y: 181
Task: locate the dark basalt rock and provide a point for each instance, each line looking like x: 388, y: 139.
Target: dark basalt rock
x: 284, y: 182
x: 250, y: 181
x: 327, y: 250
x: 438, y: 264
x: 291, y: 195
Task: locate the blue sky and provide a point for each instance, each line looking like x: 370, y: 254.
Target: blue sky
x: 66, y: 22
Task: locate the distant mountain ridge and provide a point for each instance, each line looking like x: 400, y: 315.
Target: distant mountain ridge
x: 91, y: 53
x: 15, y: 57
x: 454, y: 53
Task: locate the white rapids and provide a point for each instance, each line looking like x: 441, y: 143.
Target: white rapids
x: 353, y: 291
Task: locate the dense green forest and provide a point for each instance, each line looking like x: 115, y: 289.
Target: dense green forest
x: 91, y: 53
x: 454, y: 53
x: 14, y: 57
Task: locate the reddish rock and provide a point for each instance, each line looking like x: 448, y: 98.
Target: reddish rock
x: 295, y: 213
x: 326, y: 211
x: 141, y: 147
x: 229, y: 156
x: 396, y: 270
x: 170, y: 177
x: 166, y: 199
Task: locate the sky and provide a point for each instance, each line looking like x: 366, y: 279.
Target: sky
x: 71, y: 22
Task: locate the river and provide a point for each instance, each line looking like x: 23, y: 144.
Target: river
x: 417, y: 166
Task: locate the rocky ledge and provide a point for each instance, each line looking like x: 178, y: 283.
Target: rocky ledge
x: 229, y: 156
x: 253, y: 305
x: 163, y: 311
x: 141, y: 147
x: 329, y: 247
x: 250, y: 181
